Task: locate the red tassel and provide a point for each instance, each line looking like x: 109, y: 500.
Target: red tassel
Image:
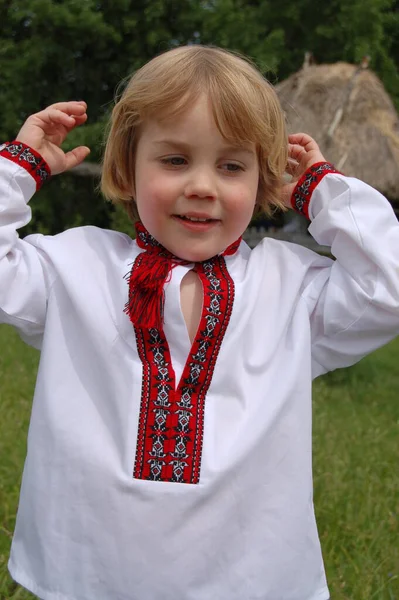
x: 145, y: 306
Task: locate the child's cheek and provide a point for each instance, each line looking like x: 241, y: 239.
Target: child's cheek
x: 164, y: 187
x: 243, y: 200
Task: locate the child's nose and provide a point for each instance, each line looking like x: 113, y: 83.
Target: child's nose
x: 201, y: 184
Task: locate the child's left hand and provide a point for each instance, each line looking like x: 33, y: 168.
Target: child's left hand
x: 303, y: 152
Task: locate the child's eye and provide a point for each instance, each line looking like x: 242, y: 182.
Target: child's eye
x: 232, y: 167
x: 174, y: 161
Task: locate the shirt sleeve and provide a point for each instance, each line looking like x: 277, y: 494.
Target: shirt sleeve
x: 25, y: 272
x: 353, y: 303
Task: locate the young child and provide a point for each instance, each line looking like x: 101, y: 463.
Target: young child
x: 169, y: 451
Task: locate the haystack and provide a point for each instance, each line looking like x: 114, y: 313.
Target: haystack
x: 349, y: 113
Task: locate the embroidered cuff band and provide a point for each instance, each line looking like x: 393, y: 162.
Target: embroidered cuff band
x: 303, y: 191
x: 29, y: 159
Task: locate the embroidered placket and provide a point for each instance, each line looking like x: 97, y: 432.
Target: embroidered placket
x: 171, y: 421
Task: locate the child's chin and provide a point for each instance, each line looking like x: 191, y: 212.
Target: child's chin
x: 199, y: 255
x: 192, y: 254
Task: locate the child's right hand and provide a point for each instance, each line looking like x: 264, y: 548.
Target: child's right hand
x: 45, y: 131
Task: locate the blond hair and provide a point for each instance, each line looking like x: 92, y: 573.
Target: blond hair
x: 245, y: 108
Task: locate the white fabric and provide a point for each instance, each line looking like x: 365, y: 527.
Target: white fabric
x: 86, y: 529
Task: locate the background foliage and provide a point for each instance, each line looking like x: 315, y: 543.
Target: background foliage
x: 52, y: 50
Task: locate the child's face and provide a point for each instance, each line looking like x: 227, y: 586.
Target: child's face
x: 185, y: 171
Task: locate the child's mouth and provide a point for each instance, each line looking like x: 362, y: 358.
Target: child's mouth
x: 196, y: 223
x: 195, y: 219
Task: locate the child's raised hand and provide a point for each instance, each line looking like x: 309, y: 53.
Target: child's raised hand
x: 45, y: 131
x: 303, y: 152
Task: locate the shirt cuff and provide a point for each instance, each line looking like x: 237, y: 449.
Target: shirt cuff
x: 302, y: 194
x: 29, y: 159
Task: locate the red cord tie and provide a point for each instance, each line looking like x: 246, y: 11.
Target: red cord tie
x: 150, y: 271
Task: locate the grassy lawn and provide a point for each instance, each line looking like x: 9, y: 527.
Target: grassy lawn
x: 356, y: 442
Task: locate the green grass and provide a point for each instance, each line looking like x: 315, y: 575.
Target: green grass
x: 356, y: 447
x: 18, y: 364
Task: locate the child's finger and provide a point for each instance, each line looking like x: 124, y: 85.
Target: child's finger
x: 52, y: 116
x: 64, y: 113
x: 76, y: 156
x: 70, y: 108
x: 60, y: 117
x: 79, y: 120
x: 296, y: 152
x: 57, y: 121
x: 304, y: 140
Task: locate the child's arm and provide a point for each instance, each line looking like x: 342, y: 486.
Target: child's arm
x: 25, y: 272
x: 353, y: 302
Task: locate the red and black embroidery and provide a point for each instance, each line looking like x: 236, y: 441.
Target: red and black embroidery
x: 156, y: 404
x: 303, y: 191
x: 29, y: 159
x: 171, y: 424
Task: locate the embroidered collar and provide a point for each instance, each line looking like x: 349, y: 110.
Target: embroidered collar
x: 152, y: 269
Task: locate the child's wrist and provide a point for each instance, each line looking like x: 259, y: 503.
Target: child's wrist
x: 27, y: 158
x: 303, y: 191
